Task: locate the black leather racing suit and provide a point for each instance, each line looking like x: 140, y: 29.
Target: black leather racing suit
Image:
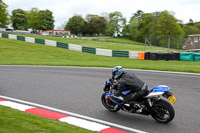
x: 132, y: 82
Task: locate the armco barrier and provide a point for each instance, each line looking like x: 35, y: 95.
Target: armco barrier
x: 97, y: 51
x: 21, y: 38
x: 162, y: 56
x: 4, y: 35
x: 50, y: 43
x: 117, y: 53
x: 89, y: 50
x: 183, y: 56
x: 30, y: 39
x: 153, y: 56
x: 75, y: 47
x: 103, y: 52
x: 10, y: 36
x: 186, y: 56
x: 196, y: 56
x: 40, y: 41
x: 168, y: 56
x: 62, y: 45
x: 133, y: 54
x: 147, y: 56
x: 176, y: 56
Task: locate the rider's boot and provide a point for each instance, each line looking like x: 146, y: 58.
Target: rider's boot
x: 130, y: 99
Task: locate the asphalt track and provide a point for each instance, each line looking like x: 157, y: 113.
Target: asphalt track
x: 78, y: 90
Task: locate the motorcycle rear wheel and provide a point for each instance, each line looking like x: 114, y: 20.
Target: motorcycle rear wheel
x: 109, y: 104
x: 163, y: 111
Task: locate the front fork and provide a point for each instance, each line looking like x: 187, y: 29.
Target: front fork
x: 111, y: 97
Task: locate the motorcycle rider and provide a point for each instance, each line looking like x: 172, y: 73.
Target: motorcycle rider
x: 130, y: 81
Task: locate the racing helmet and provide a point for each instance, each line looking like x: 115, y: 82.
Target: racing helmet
x: 117, y: 71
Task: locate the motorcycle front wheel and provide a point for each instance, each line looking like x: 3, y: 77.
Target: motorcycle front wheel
x: 109, y: 104
x: 162, y: 111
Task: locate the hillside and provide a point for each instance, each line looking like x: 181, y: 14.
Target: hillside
x: 113, y: 43
x: 13, y: 52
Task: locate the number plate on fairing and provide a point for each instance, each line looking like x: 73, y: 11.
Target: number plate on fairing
x: 172, y: 99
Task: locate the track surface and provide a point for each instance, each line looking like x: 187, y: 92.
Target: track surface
x: 78, y: 90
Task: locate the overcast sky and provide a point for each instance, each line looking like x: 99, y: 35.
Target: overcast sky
x: 64, y: 9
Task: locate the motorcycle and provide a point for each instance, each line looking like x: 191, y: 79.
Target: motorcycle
x: 150, y: 104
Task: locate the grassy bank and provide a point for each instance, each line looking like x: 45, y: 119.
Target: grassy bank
x: 113, y: 43
x: 14, y: 52
x: 13, y: 121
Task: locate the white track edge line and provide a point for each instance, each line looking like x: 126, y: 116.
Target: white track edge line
x: 142, y: 70
x: 74, y: 114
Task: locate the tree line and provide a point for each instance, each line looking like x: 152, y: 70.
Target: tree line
x: 23, y: 20
x: 106, y: 24
x: 35, y: 19
x: 141, y: 24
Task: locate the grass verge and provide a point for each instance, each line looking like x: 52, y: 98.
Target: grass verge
x: 14, y: 52
x: 14, y: 121
x: 113, y: 43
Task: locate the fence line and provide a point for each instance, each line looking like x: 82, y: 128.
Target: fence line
x: 173, y: 43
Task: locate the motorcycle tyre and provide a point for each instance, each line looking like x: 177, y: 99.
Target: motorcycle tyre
x: 103, y: 100
x: 167, y: 106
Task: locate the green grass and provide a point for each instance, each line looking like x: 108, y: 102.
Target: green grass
x: 123, y: 40
x: 14, y: 121
x: 115, y: 44
x: 14, y: 52
x: 94, y: 37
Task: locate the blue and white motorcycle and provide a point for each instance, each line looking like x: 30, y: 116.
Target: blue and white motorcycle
x: 151, y: 103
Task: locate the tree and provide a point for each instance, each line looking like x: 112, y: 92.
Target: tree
x: 4, y: 16
x: 167, y: 25
x: 157, y: 24
x: 19, y: 19
x: 191, y: 22
x: 116, y: 23
x: 75, y: 24
x: 34, y: 19
x: 101, y: 25
x: 197, y: 25
x: 95, y: 25
x: 145, y: 26
x: 126, y: 31
x: 89, y: 28
x: 189, y: 30
x: 105, y: 15
x: 137, y: 14
x: 46, y: 20
x: 131, y: 29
